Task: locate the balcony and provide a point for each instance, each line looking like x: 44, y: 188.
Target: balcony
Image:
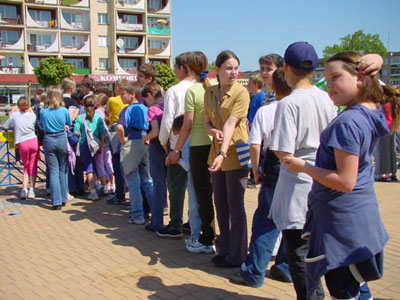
x: 123, y: 48
x: 127, y: 26
x: 159, y: 7
x: 159, y: 47
x: 18, y: 45
x: 130, y: 4
x: 158, y: 26
x: 51, y: 2
x: 84, y: 48
x: 75, y: 3
x: 82, y: 24
x: 44, y: 46
x: 11, y: 70
x: 30, y: 22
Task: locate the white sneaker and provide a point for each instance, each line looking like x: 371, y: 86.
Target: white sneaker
x: 93, y: 196
x: 190, y: 240
x: 70, y: 197
x: 112, y: 189
x: 197, y: 247
x: 24, y: 194
x: 31, y: 194
x: 134, y: 220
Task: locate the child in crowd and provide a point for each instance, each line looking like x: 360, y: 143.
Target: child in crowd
x: 257, y: 96
x: 104, y: 167
x: 264, y: 232
x: 23, y: 122
x: 344, y: 244
x: 152, y: 95
x: 95, y: 124
x: 131, y: 128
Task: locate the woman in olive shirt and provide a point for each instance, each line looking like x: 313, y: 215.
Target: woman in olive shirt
x: 225, y: 119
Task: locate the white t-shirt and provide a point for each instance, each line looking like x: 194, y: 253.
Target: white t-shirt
x: 174, y: 106
x: 263, y: 124
x: 24, y: 126
x: 299, y: 120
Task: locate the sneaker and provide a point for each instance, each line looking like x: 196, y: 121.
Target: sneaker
x: 24, y: 194
x: 167, y: 232
x: 189, y: 240
x: 31, y: 194
x: 93, y: 196
x: 186, y: 228
x: 126, y: 204
x: 277, y: 274
x: 106, y: 192
x: 112, y: 189
x: 197, y: 247
x: 114, y: 200
x: 135, y: 220
x: 70, y: 197
x: 253, y: 186
x: 165, y: 211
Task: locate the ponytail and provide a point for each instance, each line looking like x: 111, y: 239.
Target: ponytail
x: 89, y: 103
x: 392, y: 96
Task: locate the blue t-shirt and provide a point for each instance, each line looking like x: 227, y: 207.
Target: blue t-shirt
x: 134, y: 120
x: 96, y: 126
x: 256, y: 102
x: 345, y: 228
x: 54, y: 119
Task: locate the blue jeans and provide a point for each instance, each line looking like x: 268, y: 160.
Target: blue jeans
x: 194, y: 218
x: 55, y: 149
x: 158, y: 172
x: 263, y: 239
x: 76, y: 181
x: 139, y: 178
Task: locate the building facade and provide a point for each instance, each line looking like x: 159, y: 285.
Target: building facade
x: 95, y: 36
x: 390, y: 73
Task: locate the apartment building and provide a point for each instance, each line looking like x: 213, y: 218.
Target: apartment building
x: 95, y: 36
x: 390, y: 73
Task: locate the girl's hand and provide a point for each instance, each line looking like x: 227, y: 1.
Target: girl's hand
x: 294, y: 164
x: 66, y: 128
x: 167, y: 161
x: 218, y: 135
x: 258, y: 177
x: 370, y: 64
x: 145, y: 142
x: 173, y: 157
x: 217, y: 163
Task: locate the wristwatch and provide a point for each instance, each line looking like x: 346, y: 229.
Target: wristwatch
x: 177, y: 151
x: 223, y: 154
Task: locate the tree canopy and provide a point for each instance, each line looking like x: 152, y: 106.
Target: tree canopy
x: 165, y: 76
x: 52, y: 70
x: 358, y: 41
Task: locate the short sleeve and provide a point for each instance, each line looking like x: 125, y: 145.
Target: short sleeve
x: 285, y: 129
x: 78, y: 124
x: 152, y: 113
x: 255, y: 132
x: 190, y: 101
x: 121, y: 119
x: 240, y: 105
x: 345, y: 137
x: 100, y: 124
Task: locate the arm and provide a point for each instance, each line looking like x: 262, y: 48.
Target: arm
x: 210, y: 130
x: 255, y: 150
x: 121, y: 134
x: 227, y: 132
x: 167, y: 119
x: 183, y: 135
x: 343, y: 179
x: 155, y: 130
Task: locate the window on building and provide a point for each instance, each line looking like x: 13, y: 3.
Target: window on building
x: 157, y: 62
x: 127, y: 63
x: 72, y: 41
x: 130, y: 42
x: 8, y: 12
x: 73, y: 18
x: 76, y: 62
x: 130, y: 19
x: 131, y: 2
x: 102, y: 18
x: 40, y: 39
x: 395, y: 61
x: 6, y: 60
x: 155, y: 4
x: 157, y: 44
x: 8, y: 36
x: 102, y: 41
x: 104, y: 64
x: 35, y: 61
x: 105, y: 1
x: 40, y: 15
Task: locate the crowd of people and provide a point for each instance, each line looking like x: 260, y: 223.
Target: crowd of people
x: 314, y: 166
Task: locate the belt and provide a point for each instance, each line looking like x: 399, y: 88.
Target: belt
x: 54, y: 132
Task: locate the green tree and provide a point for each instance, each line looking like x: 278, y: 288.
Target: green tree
x: 165, y: 76
x: 52, y: 70
x: 358, y: 41
x: 211, y: 66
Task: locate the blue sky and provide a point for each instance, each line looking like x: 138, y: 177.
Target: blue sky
x: 256, y: 27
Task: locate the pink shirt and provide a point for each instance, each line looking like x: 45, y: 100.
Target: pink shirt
x: 155, y: 113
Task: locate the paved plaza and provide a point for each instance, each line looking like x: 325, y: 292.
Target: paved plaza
x: 88, y: 251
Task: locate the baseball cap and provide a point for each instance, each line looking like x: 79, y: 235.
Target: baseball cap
x: 300, y: 52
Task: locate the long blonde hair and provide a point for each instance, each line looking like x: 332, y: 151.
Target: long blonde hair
x: 370, y: 88
x: 55, y: 97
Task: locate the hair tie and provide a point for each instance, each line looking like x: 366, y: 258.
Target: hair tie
x: 203, y: 75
